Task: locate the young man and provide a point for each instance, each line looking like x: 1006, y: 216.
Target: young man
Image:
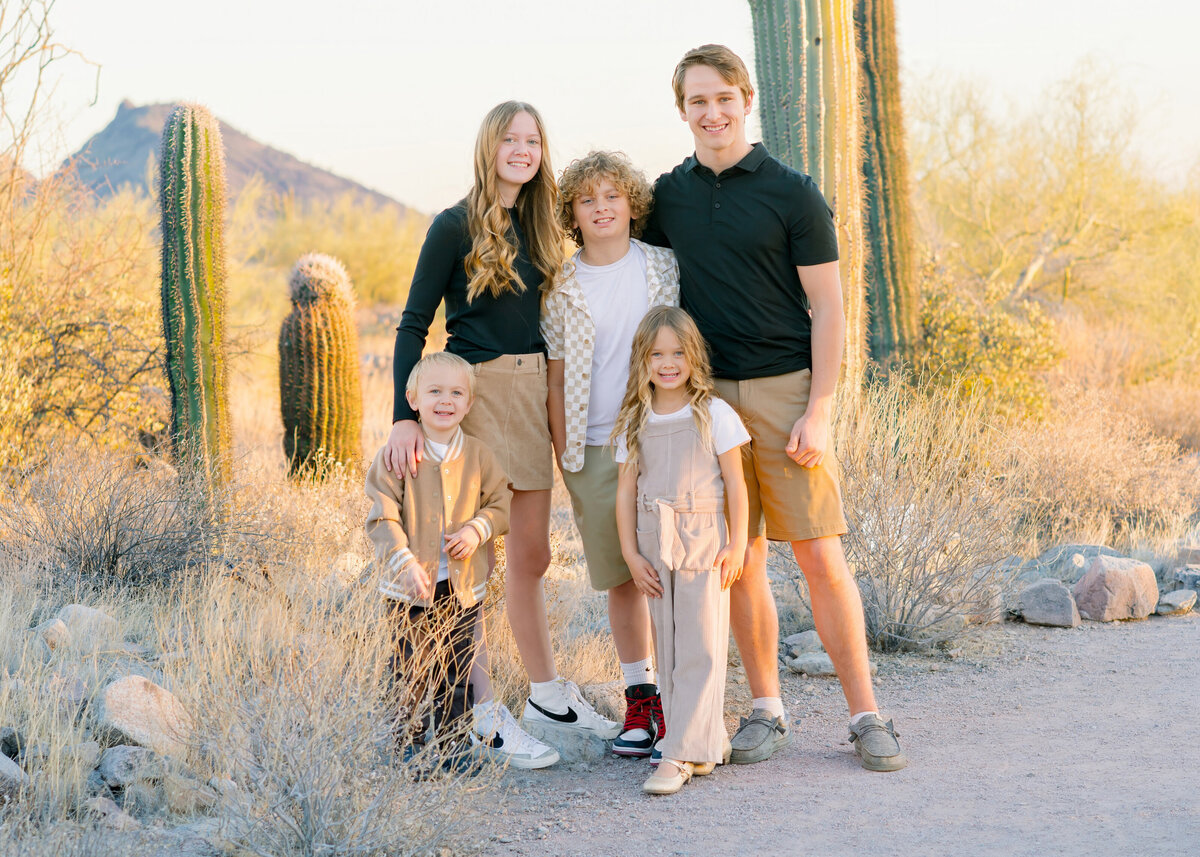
x: 757, y: 249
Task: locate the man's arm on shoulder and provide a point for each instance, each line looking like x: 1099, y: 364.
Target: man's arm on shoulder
x: 652, y: 231
x: 811, y: 434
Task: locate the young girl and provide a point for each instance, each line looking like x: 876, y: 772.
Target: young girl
x: 682, y: 517
x: 488, y: 257
x: 588, y: 320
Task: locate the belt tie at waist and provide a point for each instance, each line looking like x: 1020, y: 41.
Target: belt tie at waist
x: 670, y: 549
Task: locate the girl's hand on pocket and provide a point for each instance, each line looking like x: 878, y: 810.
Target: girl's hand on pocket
x: 729, y: 562
x: 645, y: 578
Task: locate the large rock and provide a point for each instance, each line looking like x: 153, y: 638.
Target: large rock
x: 187, y: 796
x: 121, y: 767
x: 111, y: 815
x: 30, y: 650
x: 138, y: 711
x: 11, y: 742
x: 1116, y: 588
x: 1186, y: 577
x: 1177, y: 602
x: 608, y: 699
x: 816, y: 664
x: 572, y: 744
x: 55, y: 632
x: 90, y: 628
x: 803, y: 643
x: 12, y: 778
x: 1068, y: 563
x: 1048, y: 602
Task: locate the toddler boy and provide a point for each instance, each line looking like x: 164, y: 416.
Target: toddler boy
x: 427, y: 530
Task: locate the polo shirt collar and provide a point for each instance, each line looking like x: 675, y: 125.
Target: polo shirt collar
x: 754, y: 159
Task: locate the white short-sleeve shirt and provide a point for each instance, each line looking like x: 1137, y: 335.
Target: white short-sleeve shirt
x: 727, y: 429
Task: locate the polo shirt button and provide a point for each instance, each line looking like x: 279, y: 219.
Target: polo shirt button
x: 717, y: 205
x: 718, y: 184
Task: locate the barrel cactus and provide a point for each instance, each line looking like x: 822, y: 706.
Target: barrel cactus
x: 320, y: 390
x: 891, y: 281
x: 192, y: 202
x: 808, y: 101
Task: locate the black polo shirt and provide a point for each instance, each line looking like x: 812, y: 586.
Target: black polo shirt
x: 739, y: 237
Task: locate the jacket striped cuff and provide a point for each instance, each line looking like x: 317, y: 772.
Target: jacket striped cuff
x: 388, y: 589
x: 482, y: 526
x: 399, y: 559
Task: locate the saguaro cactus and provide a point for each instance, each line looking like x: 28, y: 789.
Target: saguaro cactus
x: 192, y: 200
x: 320, y: 390
x: 808, y: 91
x: 892, y: 293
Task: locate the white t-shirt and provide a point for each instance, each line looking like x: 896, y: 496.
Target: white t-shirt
x: 443, y: 563
x: 617, y: 298
x: 727, y: 429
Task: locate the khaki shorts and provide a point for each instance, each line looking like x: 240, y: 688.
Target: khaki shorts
x: 593, y: 493
x: 508, y: 415
x: 797, y: 503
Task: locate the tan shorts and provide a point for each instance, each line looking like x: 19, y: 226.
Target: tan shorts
x: 797, y: 503
x: 508, y: 414
x: 593, y: 493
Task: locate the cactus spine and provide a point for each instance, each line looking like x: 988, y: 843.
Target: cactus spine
x: 192, y: 202
x: 891, y: 282
x: 320, y: 392
x: 808, y: 90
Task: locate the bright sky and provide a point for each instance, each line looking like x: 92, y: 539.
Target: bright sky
x: 390, y: 92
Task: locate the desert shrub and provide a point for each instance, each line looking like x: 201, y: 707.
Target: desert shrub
x: 1094, y: 470
x: 1171, y: 408
x: 930, y: 515
x: 990, y: 349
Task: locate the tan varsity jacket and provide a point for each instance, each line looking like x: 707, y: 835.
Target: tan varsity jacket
x: 409, y: 515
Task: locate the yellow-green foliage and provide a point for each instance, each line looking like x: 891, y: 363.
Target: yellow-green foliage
x: 994, y: 350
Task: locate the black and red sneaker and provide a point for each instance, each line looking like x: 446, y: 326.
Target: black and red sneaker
x: 643, y: 713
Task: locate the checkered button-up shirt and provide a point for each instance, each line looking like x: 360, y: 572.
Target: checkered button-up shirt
x: 570, y: 336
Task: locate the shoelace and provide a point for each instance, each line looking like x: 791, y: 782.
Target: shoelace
x: 514, y: 734
x: 639, y: 714
x: 875, y: 726
x: 575, y: 698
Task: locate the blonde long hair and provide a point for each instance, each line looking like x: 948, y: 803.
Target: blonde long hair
x: 491, y: 263
x: 639, y: 390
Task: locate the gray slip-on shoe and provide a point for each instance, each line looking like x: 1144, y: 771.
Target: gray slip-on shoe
x: 758, y: 737
x: 876, y: 744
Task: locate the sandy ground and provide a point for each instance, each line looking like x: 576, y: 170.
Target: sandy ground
x: 1039, y: 742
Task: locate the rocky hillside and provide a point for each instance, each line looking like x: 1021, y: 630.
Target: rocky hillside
x: 124, y: 153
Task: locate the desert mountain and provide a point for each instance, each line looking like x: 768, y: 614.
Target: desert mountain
x: 126, y: 151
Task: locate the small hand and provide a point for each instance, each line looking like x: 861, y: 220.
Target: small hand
x: 809, y: 440
x: 729, y: 562
x: 462, y: 544
x: 414, y: 581
x: 405, y: 448
x: 645, y: 578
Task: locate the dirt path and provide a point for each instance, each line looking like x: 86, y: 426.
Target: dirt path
x: 1053, y: 742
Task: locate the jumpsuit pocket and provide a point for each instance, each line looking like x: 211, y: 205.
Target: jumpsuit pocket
x: 702, y: 535
x: 647, y: 536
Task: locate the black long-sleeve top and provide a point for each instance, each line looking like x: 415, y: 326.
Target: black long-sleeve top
x: 477, y: 331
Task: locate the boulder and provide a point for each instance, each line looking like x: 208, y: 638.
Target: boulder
x: 30, y: 650
x: 91, y: 629
x: 125, y: 765
x: 1048, y: 602
x: 816, y: 664
x: 55, y: 632
x: 12, y: 778
x: 1189, y: 554
x: 187, y: 796
x: 1116, y: 588
x: 68, y: 688
x: 1177, y: 602
x: 111, y: 815
x: 608, y: 698
x: 802, y: 644
x: 143, y: 799
x: 572, y: 744
x: 136, y: 710
x: 11, y: 742
x: 1186, y: 577
x: 1068, y: 562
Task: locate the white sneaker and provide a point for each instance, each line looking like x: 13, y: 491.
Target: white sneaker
x: 578, y: 714
x: 498, y: 736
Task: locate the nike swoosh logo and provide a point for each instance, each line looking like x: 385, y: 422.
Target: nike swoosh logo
x: 569, y: 717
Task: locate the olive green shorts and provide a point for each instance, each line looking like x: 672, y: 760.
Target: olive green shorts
x: 593, y: 493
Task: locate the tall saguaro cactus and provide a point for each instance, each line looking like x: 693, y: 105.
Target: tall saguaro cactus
x: 320, y: 390
x: 192, y: 201
x: 808, y: 102
x: 892, y: 290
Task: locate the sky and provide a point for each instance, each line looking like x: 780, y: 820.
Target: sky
x: 390, y: 92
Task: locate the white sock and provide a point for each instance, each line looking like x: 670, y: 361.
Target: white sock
x: 639, y: 672
x: 773, y: 704
x: 861, y: 715
x: 549, y: 695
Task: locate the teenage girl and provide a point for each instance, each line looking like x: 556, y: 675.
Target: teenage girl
x: 487, y: 258
x: 682, y: 516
